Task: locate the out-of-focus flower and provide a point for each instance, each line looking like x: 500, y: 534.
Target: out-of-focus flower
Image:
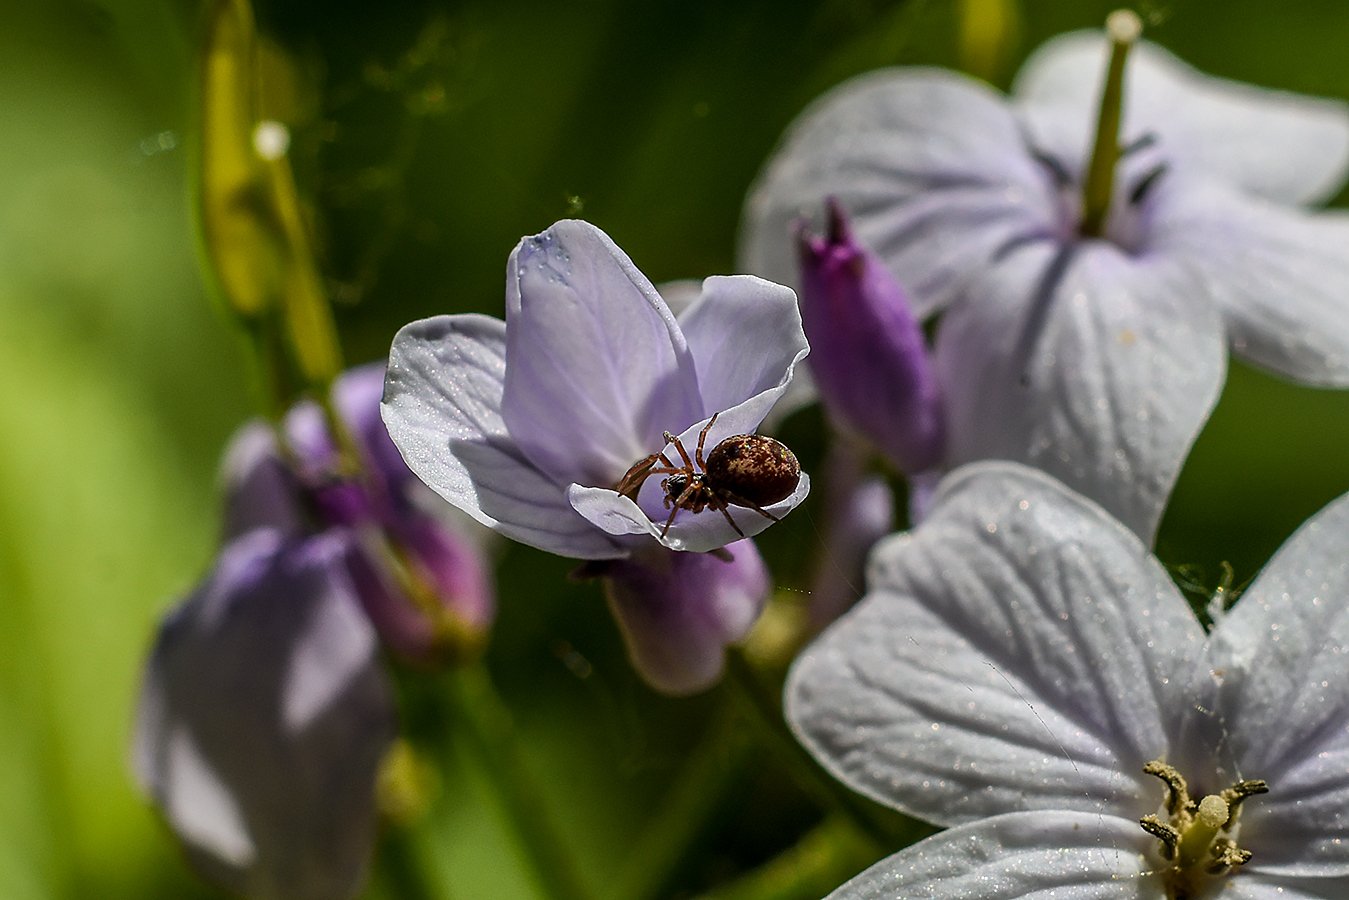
x: 1023, y: 669
x: 263, y: 719
x: 529, y: 424
x: 389, y: 507
x: 265, y: 712
x: 859, y: 510
x: 868, y: 356
x: 1091, y: 349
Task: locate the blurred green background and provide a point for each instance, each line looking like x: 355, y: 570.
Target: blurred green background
x: 429, y: 137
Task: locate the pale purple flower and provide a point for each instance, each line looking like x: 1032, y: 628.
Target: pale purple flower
x: 679, y: 611
x: 263, y: 719
x: 528, y: 424
x: 1018, y: 660
x: 265, y: 711
x: 869, y: 357
x: 1095, y: 358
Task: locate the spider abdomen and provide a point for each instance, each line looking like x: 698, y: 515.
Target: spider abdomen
x: 753, y: 467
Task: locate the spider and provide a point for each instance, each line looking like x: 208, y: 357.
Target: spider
x: 743, y: 470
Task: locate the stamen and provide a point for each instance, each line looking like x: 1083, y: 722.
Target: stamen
x: 1243, y: 789
x: 1142, y: 142
x: 1177, y: 793
x: 1146, y: 183
x: 1227, y: 855
x: 1163, y: 832
x: 1123, y: 27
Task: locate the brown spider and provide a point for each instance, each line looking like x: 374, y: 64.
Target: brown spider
x: 743, y: 470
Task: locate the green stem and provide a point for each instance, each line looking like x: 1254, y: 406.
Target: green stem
x: 404, y: 867
x: 702, y: 789
x: 485, y: 723
x: 1123, y: 28
x: 766, y: 715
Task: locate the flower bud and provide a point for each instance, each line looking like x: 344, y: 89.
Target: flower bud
x: 867, y: 352
x: 438, y: 562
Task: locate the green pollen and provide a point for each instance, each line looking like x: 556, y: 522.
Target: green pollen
x: 1123, y: 27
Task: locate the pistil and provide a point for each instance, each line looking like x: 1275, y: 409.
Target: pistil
x: 1123, y: 27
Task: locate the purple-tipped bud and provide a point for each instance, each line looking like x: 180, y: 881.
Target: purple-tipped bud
x: 679, y: 611
x: 422, y: 581
x: 867, y: 352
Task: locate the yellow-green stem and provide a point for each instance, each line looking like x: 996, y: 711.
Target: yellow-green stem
x: 1123, y: 28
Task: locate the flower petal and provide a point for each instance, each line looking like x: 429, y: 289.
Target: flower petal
x: 1098, y: 367
x: 745, y: 337
x: 1279, y: 145
x: 1279, y: 658
x: 690, y: 532
x: 442, y: 406
x: 679, y: 611
x: 1255, y: 884
x: 260, y: 491
x: 1018, y: 650
x: 598, y: 368
x: 263, y: 719
x: 1280, y: 277
x: 931, y: 166
x: 859, y: 510
x: 1063, y: 855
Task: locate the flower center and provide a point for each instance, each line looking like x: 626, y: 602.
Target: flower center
x: 1198, y: 837
x: 1123, y: 27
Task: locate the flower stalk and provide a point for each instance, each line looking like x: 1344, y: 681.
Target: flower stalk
x: 485, y: 722
x: 1124, y: 28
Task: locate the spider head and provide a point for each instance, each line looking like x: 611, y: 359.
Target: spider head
x: 674, y: 486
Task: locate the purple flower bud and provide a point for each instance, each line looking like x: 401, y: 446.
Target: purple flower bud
x: 679, y: 611
x: 392, y: 512
x: 868, y: 354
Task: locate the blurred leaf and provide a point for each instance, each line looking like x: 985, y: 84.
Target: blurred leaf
x: 107, y: 521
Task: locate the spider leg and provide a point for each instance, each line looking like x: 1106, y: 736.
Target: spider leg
x: 678, y: 505
x: 631, y: 482
x: 702, y: 436
x: 635, y: 477
x: 668, y: 522
x: 741, y: 501
x: 679, y: 445
x: 725, y: 511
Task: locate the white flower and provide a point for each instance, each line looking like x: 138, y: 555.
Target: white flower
x: 1021, y: 658
x: 1094, y: 354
